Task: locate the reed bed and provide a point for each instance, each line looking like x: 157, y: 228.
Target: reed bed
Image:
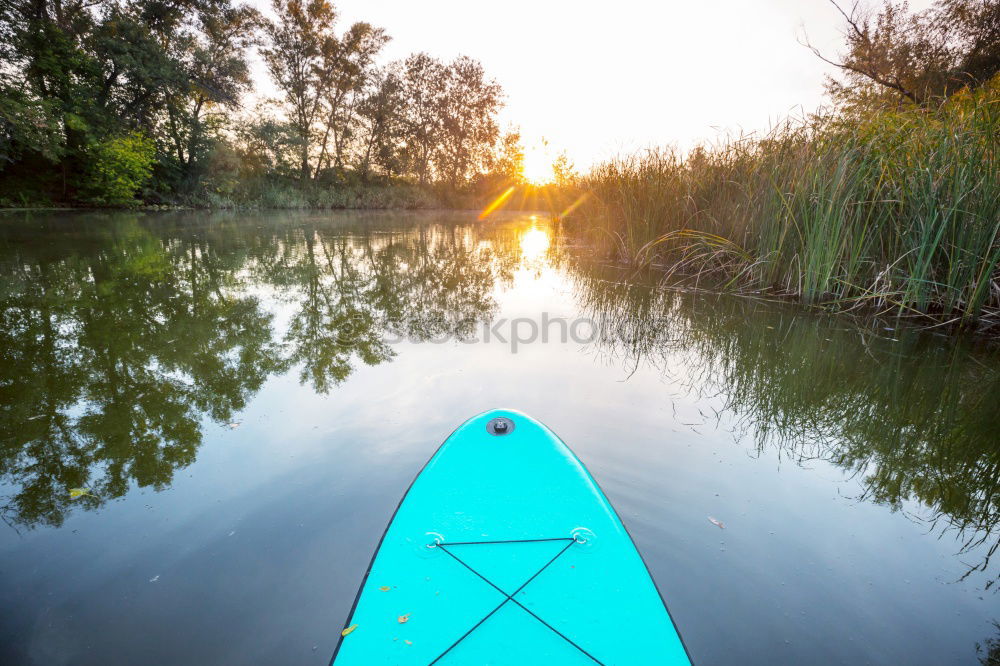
x: 895, y: 210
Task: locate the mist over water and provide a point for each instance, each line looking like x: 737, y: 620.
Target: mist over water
x: 208, y: 419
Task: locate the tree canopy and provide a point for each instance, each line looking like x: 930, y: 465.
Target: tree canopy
x: 896, y: 57
x: 79, y: 78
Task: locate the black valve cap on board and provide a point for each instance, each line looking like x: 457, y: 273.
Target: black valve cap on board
x: 500, y: 426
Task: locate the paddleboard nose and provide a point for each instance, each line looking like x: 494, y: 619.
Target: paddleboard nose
x: 505, y: 534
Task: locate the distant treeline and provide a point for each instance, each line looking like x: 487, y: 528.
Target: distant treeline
x: 113, y: 102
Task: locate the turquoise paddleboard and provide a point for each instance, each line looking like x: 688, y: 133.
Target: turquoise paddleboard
x: 505, y: 551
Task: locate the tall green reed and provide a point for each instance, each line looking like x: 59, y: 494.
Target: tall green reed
x: 897, y: 210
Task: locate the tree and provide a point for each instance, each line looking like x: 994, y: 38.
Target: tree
x: 897, y: 57
x: 424, y: 81
x: 468, y: 119
x: 294, y: 58
x: 49, y: 74
x: 976, y: 38
x: 218, y: 75
x: 508, y: 158
x: 27, y: 125
x: 267, y: 144
x: 381, y: 115
x: 79, y: 73
x: 347, y: 64
x: 563, y: 170
x: 118, y: 167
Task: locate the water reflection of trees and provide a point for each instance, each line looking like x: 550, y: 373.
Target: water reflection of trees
x: 911, y: 415
x: 352, y: 290
x: 989, y: 650
x: 120, y: 335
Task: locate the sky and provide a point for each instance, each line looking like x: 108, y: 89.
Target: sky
x: 599, y: 79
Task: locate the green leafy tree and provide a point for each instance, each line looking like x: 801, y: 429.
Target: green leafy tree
x: 118, y: 167
x: 217, y: 77
x: 294, y: 57
x: 78, y: 74
x: 27, y: 125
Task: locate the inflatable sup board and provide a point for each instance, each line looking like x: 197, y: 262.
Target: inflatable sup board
x: 505, y: 551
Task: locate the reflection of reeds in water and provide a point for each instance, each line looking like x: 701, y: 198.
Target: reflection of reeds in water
x: 900, y: 211
x: 914, y: 417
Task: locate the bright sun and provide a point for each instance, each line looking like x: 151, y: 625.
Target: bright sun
x: 538, y: 166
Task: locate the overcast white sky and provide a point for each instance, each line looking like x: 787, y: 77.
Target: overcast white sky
x: 600, y: 78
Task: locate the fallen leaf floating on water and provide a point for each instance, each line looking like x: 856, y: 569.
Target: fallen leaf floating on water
x: 717, y: 523
x: 78, y: 492
x: 403, y: 618
x: 349, y: 630
x: 385, y: 588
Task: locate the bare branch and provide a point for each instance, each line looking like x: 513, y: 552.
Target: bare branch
x: 851, y: 21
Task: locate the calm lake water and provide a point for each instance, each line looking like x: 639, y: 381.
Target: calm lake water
x: 207, y: 420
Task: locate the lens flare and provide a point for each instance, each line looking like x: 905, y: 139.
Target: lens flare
x: 573, y: 206
x: 496, y: 203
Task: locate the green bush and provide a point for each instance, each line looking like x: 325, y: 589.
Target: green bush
x: 117, y: 168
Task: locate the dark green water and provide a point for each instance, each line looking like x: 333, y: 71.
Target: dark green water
x: 246, y: 397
